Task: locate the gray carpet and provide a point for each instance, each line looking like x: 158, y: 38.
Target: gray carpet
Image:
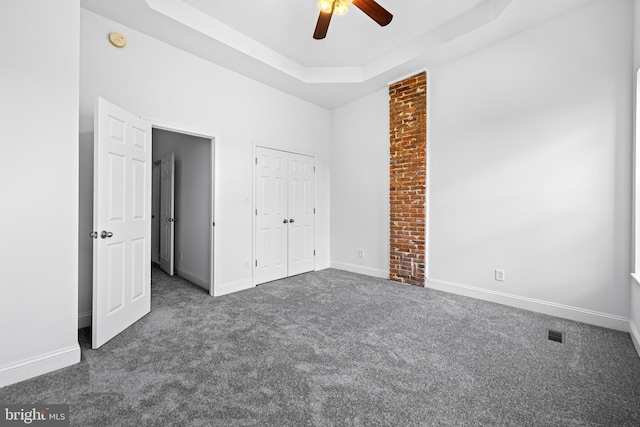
x: 332, y: 348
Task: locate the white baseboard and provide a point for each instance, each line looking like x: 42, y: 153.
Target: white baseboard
x: 227, y: 288
x: 578, y: 314
x: 84, y: 319
x: 635, y: 312
x: 361, y: 269
x: 36, y: 366
x: 322, y: 266
x: 192, y: 278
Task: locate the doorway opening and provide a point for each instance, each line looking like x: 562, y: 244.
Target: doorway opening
x: 122, y: 218
x: 187, y: 244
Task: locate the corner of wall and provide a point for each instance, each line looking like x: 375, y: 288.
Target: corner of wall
x: 230, y: 287
x: 360, y: 269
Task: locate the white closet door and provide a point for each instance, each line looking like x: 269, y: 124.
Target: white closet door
x: 271, y: 216
x: 301, y: 214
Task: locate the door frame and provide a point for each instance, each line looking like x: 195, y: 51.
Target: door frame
x: 254, y: 192
x: 171, y: 159
x: 211, y: 135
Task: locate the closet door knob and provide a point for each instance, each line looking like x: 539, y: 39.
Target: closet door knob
x: 285, y: 221
x: 291, y: 221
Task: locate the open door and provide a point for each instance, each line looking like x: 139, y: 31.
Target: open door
x: 121, y: 221
x: 167, y: 212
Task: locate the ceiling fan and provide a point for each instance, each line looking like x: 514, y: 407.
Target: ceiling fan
x: 339, y: 7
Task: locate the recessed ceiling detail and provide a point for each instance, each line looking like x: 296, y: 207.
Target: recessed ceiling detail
x: 202, y: 19
x: 273, y: 45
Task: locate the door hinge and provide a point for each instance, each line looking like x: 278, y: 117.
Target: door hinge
x: 314, y: 252
x: 314, y: 210
x: 256, y: 263
x: 256, y: 160
x: 256, y: 212
x: 214, y: 224
x: 314, y: 169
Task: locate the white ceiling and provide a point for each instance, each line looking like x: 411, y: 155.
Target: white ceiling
x: 271, y: 41
x: 353, y: 39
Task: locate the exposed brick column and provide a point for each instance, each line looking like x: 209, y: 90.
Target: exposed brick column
x: 408, y: 170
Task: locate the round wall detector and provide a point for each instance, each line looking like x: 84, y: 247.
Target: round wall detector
x: 117, y: 39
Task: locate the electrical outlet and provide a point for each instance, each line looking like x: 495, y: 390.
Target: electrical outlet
x: 247, y: 200
x: 180, y: 255
x: 360, y: 253
x: 499, y: 275
x: 246, y: 264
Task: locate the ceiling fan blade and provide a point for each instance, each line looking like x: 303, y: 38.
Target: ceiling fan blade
x: 374, y: 11
x: 323, y: 25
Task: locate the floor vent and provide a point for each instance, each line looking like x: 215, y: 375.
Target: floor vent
x: 555, y: 336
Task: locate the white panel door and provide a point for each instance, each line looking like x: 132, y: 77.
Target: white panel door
x: 301, y: 214
x: 167, y: 212
x: 271, y: 216
x: 122, y: 221
x: 284, y: 233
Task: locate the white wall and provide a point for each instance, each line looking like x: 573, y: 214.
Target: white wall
x: 192, y: 202
x: 529, y: 157
x: 169, y: 86
x: 635, y: 285
x: 360, y: 186
x: 39, y: 130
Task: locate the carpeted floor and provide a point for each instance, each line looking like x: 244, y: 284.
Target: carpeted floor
x: 332, y: 348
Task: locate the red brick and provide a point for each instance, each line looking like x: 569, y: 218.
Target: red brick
x: 407, y: 179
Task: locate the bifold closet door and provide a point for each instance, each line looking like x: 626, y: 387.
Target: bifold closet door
x: 284, y: 212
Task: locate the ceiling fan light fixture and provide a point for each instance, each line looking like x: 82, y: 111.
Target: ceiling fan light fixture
x: 328, y: 8
x: 325, y: 5
x: 340, y: 9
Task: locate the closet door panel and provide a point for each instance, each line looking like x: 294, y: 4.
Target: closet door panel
x: 300, y: 203
x: 271, y: 212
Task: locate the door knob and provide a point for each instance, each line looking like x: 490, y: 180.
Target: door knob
x: 285, y: 221
x: 106, y: 234
x: 291, y: 221
x: 94, y: 234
